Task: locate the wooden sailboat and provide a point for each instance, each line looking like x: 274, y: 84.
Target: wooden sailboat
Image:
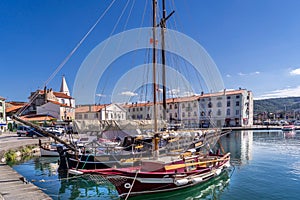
x: 163, y: 173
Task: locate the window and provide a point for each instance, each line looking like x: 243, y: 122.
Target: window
x: 228, y: 103
x: 237, y: 96
x: 129, y: 110
x: 237, y: 112
x: 195, y: 113
x: 219, y: 112
x: 228, y: 97
x: 183, y: 114
x: 209, y: 113
x: 209, y: 105
x: 189, y: 105
x: 228, y: 112
x: 141, y: 109
x: 1, y: 115
x: 219, y: 98
x: 175, y: 106
x: 170, y: 115
x: 219, y: 104
x: 86, y: 116
x: 183, y: 106
x: 175, y: 115
x: 189, y: 114
x: 237, y: 103
x: 133, y: 109
x: 0, y: 103
x: 195, y: 104
x: 170, y: 106
x: 202, y: 113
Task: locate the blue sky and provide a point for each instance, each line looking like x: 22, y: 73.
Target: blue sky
x: 254, y: 43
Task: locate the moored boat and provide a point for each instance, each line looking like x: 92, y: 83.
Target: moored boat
x: 49, y: 150
x: 164, y: 174
x: 288, y: 128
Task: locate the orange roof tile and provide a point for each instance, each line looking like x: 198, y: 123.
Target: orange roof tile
x: 37, y: 118
x: 58, y: 94
x: 62, y: 95
x: 57, y: 103
x: 89, y: 108
x: 13, y: 108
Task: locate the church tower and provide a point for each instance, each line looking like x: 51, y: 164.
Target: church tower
x: 64, y: 87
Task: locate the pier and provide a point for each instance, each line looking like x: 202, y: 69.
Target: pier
x: 14, y: 186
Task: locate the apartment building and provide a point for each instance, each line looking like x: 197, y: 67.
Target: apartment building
x: 226, y: 108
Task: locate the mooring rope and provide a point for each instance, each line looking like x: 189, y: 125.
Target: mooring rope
x: 132, y: 184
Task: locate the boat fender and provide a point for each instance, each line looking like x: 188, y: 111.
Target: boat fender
x: 218, y: 171
x: 75, y: 172
x: 180, y: 182
x: 197, y: 180
x: 127, y: 185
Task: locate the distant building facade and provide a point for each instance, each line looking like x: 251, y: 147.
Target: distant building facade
x: 227, y: 108
x: 100, y: 112
x: 59, y: 105
x: 2, y: 115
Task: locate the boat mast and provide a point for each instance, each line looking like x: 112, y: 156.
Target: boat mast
x: 163, y: 59
x: 154, y: 65
x: 156, y: 135
x: 163, y: 56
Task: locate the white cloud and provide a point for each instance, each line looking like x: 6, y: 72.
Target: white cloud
x: 288, y: 92
x: 188, y: 93
x: 100, y: 95
x: 129, y: 93
x: 255, y: 73
x: 228, y: 75
x: 249, y: 74
x: 174, y: 91
x: 295, y: 72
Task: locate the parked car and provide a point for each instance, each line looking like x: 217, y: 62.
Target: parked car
x: 28, y: 131
x: 53, y: 130
x: 297, y: 123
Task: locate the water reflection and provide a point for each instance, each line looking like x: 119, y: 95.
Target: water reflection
x: 262, y: 153
x: 211, y: 189
x: 74, y: 187
x: 240, y: 145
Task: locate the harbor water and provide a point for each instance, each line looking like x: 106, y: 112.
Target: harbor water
x: 266, y: 165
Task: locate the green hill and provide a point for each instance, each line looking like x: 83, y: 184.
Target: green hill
x: 276, y: 105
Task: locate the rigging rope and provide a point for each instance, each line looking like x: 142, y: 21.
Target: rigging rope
x: 66, y: 59
x: 78, y: 45
x: 137, y: 171
x: 107, y: 42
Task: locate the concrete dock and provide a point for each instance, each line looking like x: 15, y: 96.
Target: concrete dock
x: 14, y: 186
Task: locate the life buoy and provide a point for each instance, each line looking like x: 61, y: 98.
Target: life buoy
x: 127, y: 185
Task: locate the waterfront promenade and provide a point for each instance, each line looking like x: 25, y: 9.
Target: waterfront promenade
x: 12, y: 185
